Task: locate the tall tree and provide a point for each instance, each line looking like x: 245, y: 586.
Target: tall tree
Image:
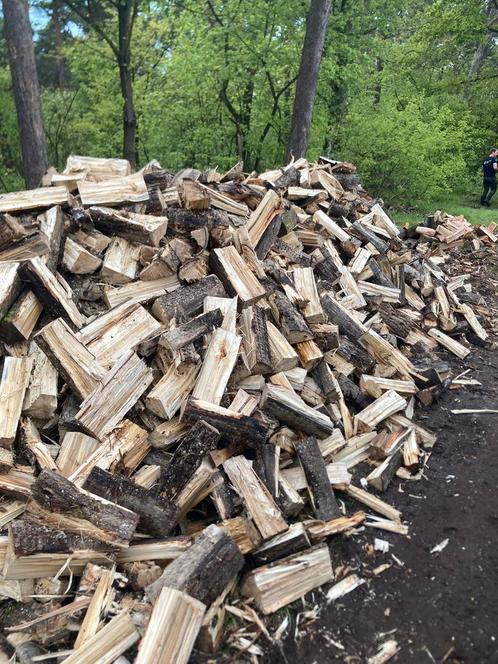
x: 311, y: 55
x: 97, y: 16
x: 19, y: 38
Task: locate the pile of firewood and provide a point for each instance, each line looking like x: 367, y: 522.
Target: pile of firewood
x: 193, y: 366
x: 452, y: 231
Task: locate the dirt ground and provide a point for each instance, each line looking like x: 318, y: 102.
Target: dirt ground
x: 439, y: 607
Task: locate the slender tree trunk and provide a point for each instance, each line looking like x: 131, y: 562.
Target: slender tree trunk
x: 129, y: 116
x: 311, y: 55
x: 19, y: 38
x: 126, y: 16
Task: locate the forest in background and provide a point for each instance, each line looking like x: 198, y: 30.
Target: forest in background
x: 406, y: 91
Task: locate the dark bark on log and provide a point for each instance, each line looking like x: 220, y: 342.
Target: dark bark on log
x: 269, y: 236
x: 352, y: 393
x: 326, y: 381
x: 266, y: 467
x: 201, y: 439
x: 355, y: 355
x: 158, y: 517
x: 280, y: 546
x: 292, y: 324
x: 323, y: 499
x: 184, y: 221
x: 187, y: 301
x: 29, y: 537
x: 186, y: 333
x: 295, y: 256
x: 365, y: 234
x: 347, y: 325
x: 57, y: 494
x: 378, y: 276
x: 326, y: 336
x: 204, y: 570
x: 250, y: 431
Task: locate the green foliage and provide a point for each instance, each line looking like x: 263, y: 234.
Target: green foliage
x: 214, y: 82
x: 411, y: 152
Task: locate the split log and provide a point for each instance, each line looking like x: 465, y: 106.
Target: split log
x: 238, y: 280
x: 257, y: 499
x: 188, y: 300
x: 109, y: 336
x: 97, y: 169
x: 113, y: 397
x: 78, y: 260
x: 77, y: 365
x: 234, y: 426
x: 33, y: 199
x: 185, y: 334
x: 283, y: 355
x: 108, y: 643
x: 322, y: 495
x: 204, y: 569
x: 368, y: 236
x: 157, y: 516
x: 219, y: 362
x: 15, y: 379
x: 450, y: 344
x: 128, y: 189
x: 50, y: 292
x: 278, y: 584
x: 74, y: 450
x: 20, y: 320
x: 341, y: 317
x: 62, y: 504
x: 120, y: 262
x: 97, y: 609
x: 256, y: 342
x: 52, y: 226
x: 262, y: 216
x: 172, y: 630
x: 140, y: 291
x: 33, y: 447
x: 243, y: 533
x: 290, y: 409
x: 292, y: 324
x: 388, y: 404
x: 293, y: 540
x: 10, y: 286
x: 92, y: 239
x: 381, y: 477
x: 318, y: 530
x: 33, y: 244
x: 140, y: 228
x: 168, y: 395
x: 201, y: 439
x: 304, y: 281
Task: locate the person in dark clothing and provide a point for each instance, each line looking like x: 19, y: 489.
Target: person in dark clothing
x: 489, y: 169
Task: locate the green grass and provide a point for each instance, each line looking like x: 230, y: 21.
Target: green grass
x: 455, y: 205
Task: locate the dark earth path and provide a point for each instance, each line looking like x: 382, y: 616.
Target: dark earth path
x: 442, y: 605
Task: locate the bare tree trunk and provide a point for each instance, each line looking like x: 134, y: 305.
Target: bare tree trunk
x: 126, y: 16
x: 19, y: 38
x: 311, y: 55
